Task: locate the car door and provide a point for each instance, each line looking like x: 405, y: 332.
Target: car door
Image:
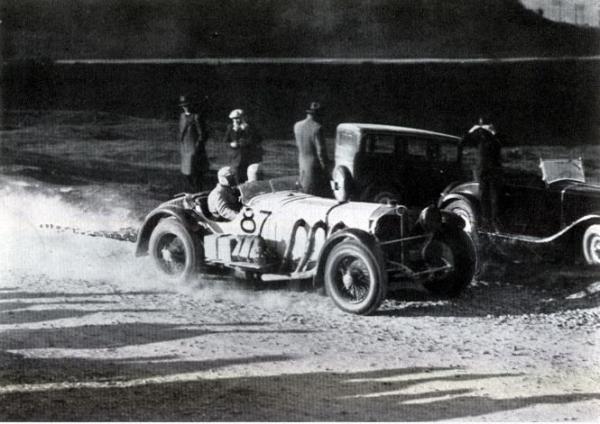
x: 527, y: 207
x: 422, y: 174
x: 377, y: 164
x: 443, y: 157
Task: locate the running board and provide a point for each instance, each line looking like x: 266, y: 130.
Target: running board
x: 517, y: 237
x: 287, y: 277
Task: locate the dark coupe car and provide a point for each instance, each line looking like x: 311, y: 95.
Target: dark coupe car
x: 554, y: 209
x: 379, y: 163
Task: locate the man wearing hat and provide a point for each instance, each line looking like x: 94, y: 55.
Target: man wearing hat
x: 244, y: 144
x: 312, y: 154
x: 192, y: 138
x: 488, y: 170
x: 223, y: 200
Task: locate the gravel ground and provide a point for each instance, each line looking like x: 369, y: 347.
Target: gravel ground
x: 88, y: 332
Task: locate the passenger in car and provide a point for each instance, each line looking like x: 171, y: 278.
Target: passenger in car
x: 223, y: 200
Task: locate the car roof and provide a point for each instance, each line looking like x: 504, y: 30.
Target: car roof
x: 363, y: 127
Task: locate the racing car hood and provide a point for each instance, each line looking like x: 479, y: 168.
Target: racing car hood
x: 294, y: 205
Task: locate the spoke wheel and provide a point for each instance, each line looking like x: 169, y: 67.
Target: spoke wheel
x: 171, y: 254
x: 591, y: 245
x: 354, y: 278
x: 176, y: 252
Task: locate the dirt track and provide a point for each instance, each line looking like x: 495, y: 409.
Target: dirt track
x: 88, y: 332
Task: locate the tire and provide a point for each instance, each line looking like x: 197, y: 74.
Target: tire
x: 355, y: 278
x: 456, y: 247
x: 464, y: 209
x: 176, y: 252
x: 467, y: 213
x: 591, y: 245
x: 342, y: 183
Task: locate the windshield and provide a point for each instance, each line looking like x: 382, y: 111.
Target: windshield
x: 252, y: 189
x: 562, y: 169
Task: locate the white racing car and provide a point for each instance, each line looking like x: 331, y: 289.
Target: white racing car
x: 357, y: 250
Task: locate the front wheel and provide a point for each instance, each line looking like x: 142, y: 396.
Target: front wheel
x: 175, y: 250
x: 355, y: 278
x: 591, y: 245
x: 456, y: 249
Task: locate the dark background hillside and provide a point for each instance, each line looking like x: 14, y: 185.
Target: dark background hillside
x: 64, y: 29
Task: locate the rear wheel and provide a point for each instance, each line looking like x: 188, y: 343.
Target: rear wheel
x: 453, y: 247
x: 176, y: 251
x: 355, y: 278
x: 591, y: 245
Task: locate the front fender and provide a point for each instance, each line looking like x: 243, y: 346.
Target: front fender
x: 351, y: 233
x: 185, y: 216
x: 467, y: 197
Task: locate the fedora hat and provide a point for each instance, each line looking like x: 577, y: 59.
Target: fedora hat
x: 236, y: 113
x: 314, y: 107
x: 184, y: 101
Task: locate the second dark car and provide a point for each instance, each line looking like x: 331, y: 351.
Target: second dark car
x: 553, y: 210
x: 382, y: 163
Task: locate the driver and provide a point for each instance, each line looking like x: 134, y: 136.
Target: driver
x: 223, y: 200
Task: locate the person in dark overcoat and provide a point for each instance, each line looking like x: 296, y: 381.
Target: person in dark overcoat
x: 488, y: 171
x: 313, y: 162
x: 244, y: 143
x: 192, y: 139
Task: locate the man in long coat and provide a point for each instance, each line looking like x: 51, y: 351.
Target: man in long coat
x: 313, y: 162
x: 192, y: 138
x: 488, y: 171
x: 244, y: 143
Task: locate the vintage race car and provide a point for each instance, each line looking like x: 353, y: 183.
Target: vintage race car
x: 358, y: 251
x: 552, y: 212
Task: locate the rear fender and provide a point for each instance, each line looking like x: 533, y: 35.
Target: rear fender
x: 353, y: 234
x: 449, y: 188
x: 154, y: 217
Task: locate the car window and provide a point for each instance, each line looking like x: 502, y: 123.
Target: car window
x: 379, y: 143
x: 346, y: 145
x: 417, y: 148
x: 448, y: 152
x: 347, y: 139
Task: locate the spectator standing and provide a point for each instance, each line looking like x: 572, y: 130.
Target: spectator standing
x: 244, y: 143
x: 488, y: 171
x: 313, y: 162
x: 192, y: 139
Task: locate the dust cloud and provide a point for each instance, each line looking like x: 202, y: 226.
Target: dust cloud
x: 44, y: 235
x: 40, y: 234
